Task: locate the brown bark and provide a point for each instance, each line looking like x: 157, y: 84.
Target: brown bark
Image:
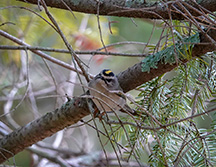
x: 136, y: 9
x: 133, y: 76
x: 72, y: 111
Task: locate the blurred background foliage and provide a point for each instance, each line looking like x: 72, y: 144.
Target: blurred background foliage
x: 82, y: 32
x: 48, y: 82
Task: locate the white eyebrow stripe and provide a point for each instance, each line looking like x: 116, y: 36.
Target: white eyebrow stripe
x: 107, y: 77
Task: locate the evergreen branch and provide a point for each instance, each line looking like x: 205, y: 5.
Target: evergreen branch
x: 169, y: 54
x: 134, y: 76
x: 72, y: 111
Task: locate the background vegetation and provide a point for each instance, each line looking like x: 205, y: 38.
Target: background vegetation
x: 177, y: 124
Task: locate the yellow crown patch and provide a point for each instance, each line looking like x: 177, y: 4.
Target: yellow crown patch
x: 108, y: 72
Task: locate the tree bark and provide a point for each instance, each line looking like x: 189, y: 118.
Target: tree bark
x: 77, y: 108
x: 131, y: 8
x: 133, y: 76
x: 70, y: 113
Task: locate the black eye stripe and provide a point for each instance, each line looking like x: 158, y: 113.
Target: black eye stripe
x: 108, y: 80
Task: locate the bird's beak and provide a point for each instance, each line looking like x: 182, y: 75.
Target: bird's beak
x: 98, y: 76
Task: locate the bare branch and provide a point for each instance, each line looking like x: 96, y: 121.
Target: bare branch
x: 6, y: 47
x: 43, y: 55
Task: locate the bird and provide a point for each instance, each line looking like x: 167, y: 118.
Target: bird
x: 107, y: 93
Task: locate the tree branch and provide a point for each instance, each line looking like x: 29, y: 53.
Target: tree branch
x: 39, y: 53
x: 135, y: 8
x: 133, y: 76
x: 72, y: 111
x: 89, y: 52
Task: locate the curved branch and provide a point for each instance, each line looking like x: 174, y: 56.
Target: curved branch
x: 133, y: 76
x: 70, y: 113
x: 74, y: 110
x: 130, y: 8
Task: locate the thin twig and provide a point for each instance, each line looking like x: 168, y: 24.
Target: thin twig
x: 73, y: 54
x: 7, y: 47
x: 39, y: 53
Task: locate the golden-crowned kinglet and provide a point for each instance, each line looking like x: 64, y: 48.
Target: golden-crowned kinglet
x: 107, y: 92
